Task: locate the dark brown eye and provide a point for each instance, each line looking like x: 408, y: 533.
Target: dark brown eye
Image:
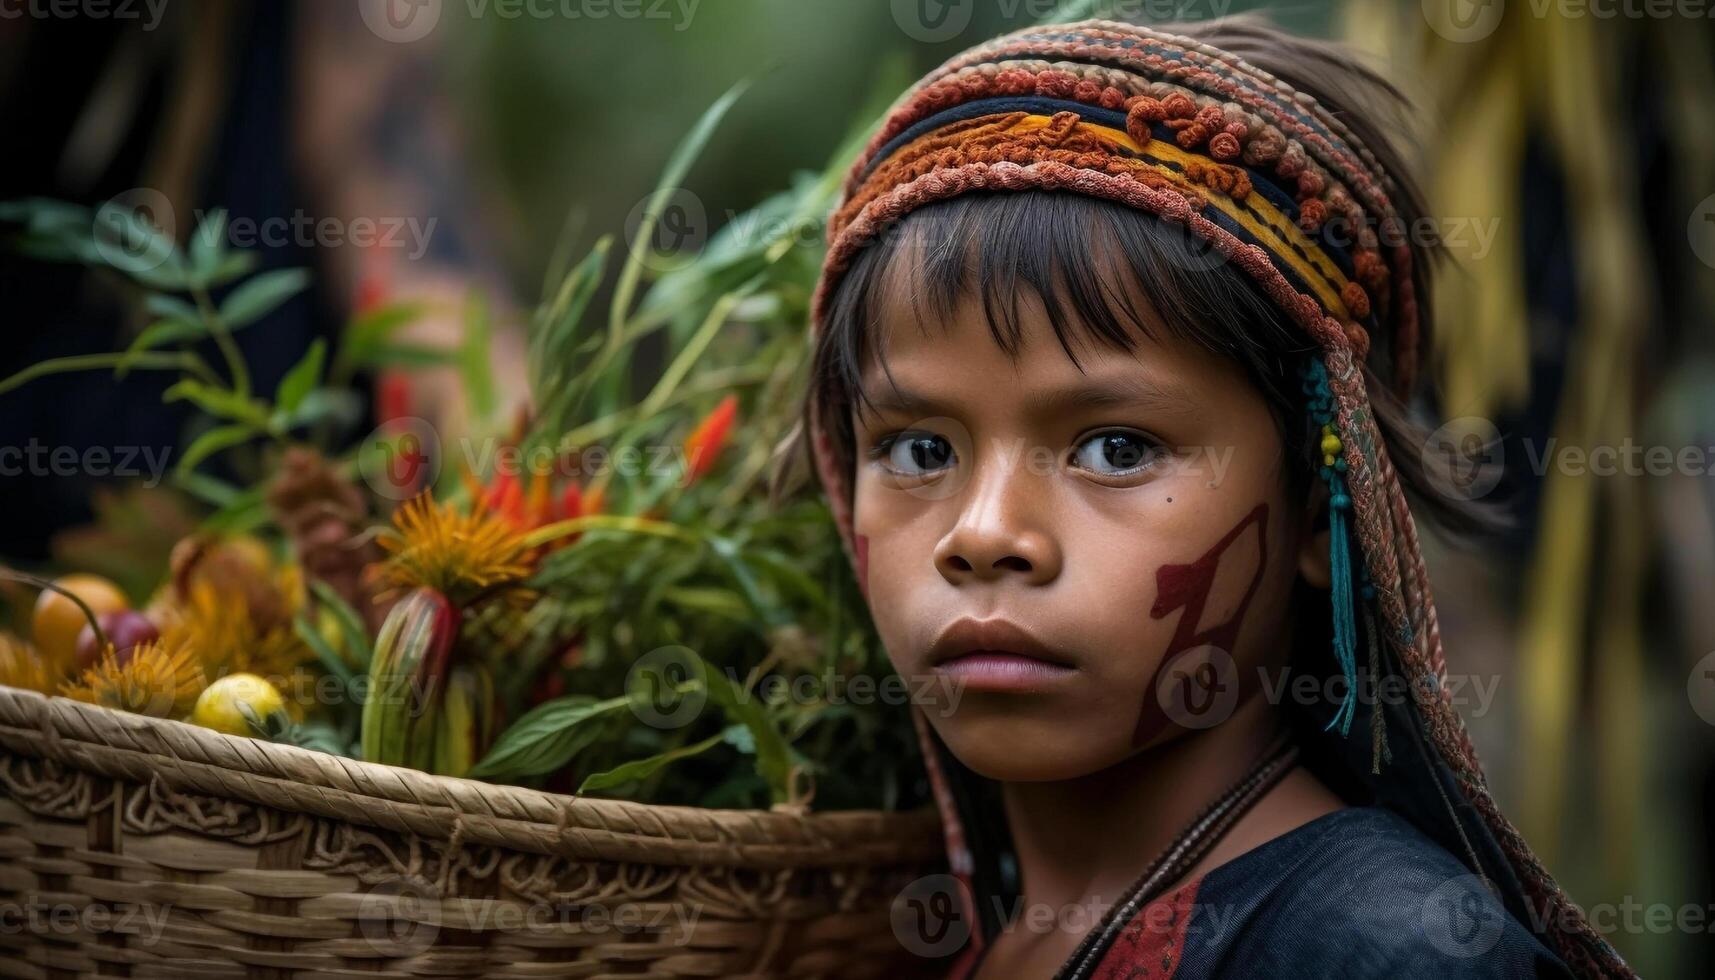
x: 1116, y: 452
x: 919, y: 454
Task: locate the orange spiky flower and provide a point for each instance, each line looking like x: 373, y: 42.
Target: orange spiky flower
x: 22, y: 666
x: 229, y: 636
x: 703, y: 446
x: 154, y: 679
x: 461, y: 555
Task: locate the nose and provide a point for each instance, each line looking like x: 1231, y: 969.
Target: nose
x: 1000, y: 531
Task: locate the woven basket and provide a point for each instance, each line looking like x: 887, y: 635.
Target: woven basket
x: 132, y: 846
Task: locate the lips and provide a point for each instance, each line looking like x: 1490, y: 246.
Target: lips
x: 997, y: 654
x: 968, y: 636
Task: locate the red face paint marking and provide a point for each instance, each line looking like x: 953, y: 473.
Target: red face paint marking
x: 860, y: 552
x: 1187, y: 587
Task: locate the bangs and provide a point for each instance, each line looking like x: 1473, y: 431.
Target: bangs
x: 1105, y: 273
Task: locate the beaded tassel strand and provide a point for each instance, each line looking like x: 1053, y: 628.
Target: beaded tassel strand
x: 1321, y: 405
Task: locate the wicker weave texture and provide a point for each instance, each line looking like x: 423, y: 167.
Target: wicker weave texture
x: 132, y: 846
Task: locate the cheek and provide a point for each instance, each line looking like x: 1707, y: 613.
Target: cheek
x: 890, y: 555
x: 1183, y: 602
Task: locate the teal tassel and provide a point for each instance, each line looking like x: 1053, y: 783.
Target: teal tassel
x: 1345, y: 614
x: 1341, y: 591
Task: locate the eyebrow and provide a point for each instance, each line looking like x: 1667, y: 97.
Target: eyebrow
x: 1161, y: 396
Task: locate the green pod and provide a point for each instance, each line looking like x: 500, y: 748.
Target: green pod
x: 406, y: 674
x: 465, y: 721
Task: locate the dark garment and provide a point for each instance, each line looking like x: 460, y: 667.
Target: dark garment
x: 1357, y: 893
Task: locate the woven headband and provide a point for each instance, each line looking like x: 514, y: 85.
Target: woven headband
x: 1258, y: 171
x: 1279, y: 187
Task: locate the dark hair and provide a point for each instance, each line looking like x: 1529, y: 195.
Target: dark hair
x: 990, y: 245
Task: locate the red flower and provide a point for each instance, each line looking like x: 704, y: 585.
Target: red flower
x: 392, y: 397
x: 703, y: 446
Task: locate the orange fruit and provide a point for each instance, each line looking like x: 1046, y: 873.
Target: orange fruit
x: 58, y: 620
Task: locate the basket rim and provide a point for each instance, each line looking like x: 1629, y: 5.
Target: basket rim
x: 186, y: 758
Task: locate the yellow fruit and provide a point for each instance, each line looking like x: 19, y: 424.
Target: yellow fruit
x: 58, y: 620
x: 221, y: 706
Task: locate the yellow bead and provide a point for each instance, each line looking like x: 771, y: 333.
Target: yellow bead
x: 1330, y: 445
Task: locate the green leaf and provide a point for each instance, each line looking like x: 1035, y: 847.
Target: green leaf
x: 410, y: 356
x: 231, y: 266
x: 773, y: 755
x: 207, y: 245
x: 1075, y: 10
x: 301, y: 379
x: 245, y: 511
x: 46, y: 215
x: 368, y: 331
x: 172, y: 308
x: 340, y: 405
x: 259, y: 295
x: 128, y: 241
x: 152, y: 361
x: 329, y: 657
x: 643, y: 768
x: 547, y: 737
x: 156, y: 334
x: 739, y: 737
x: 476, y: 363
x: 219, y: 402
x: 213, y: 441
x: 350, y: 622
x: 678, y: 165
x: 554, y: 345
x: 208, y: 489
x: 719, y: 602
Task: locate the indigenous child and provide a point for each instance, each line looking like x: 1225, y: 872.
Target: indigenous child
x: 1113, y: 342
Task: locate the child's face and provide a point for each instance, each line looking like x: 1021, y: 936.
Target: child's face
x: 1131, y: 518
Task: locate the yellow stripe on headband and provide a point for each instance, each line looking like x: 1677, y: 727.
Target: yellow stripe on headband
x: 1280, y: 236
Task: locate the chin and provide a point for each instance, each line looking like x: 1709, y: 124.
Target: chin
x: 1007, y: 749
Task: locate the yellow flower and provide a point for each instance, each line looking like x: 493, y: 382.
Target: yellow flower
x: 23, y: 666
x: 224, y: 632
x: 155, y: 680
x: 435, y: 546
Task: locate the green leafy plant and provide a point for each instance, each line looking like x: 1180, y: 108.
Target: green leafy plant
x: 688, y: 554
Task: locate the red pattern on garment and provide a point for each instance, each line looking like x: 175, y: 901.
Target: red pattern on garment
x: 1151, y: 944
